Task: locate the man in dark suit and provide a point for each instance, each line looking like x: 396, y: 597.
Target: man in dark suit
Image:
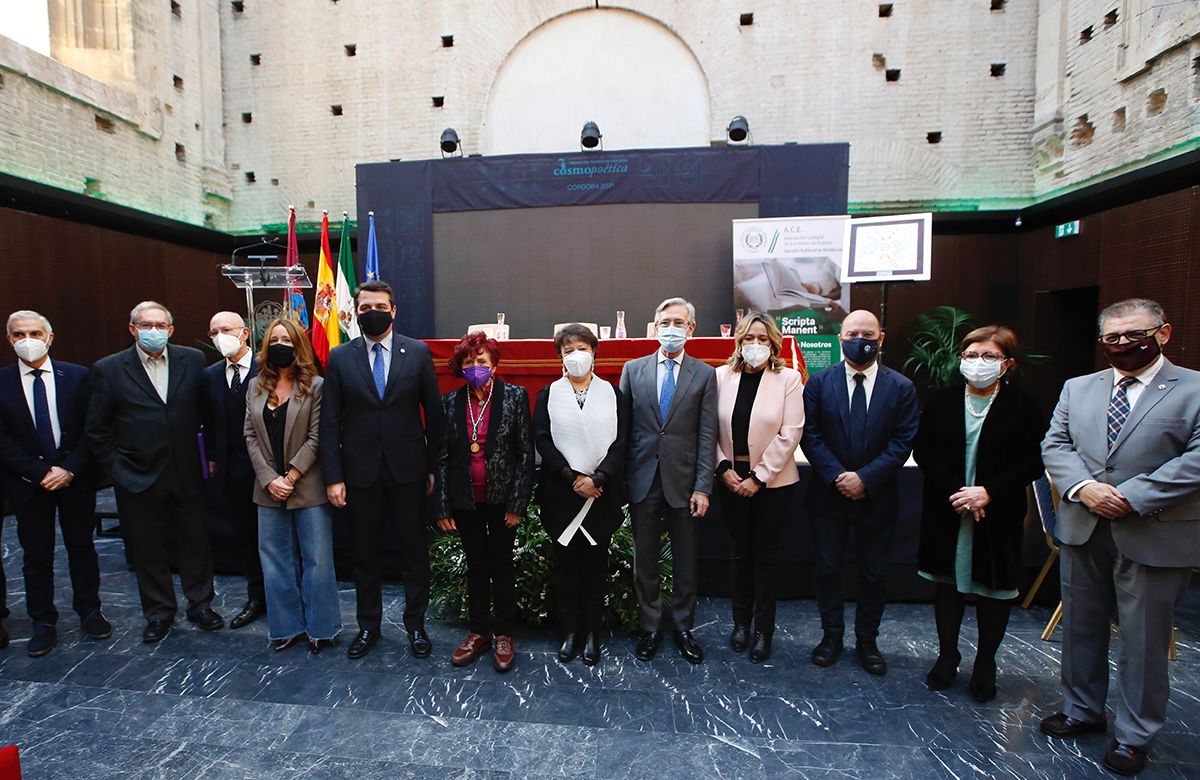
x: 1124, y: 450
x: 860, y: 422
x: 144, y: 424
x: 376, y: 457
x: 230, y: 485
x: 671, y: 403
x: 46, y: 468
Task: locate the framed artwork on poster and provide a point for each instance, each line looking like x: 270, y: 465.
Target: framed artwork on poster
x: 888, y: 249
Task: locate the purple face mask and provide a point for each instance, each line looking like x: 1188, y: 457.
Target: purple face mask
x: 477, y: 376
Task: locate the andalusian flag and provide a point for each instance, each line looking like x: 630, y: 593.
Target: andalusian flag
x: 293, y: 298
x: 325, y: 333
x: 346, y: 284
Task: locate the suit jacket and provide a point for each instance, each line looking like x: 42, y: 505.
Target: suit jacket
x: 1007, y: 460
x: 361, y: 434
x: 508, y: 452
x: 134, y: 434
x: 1155, y: 463
x: 776, y: 423
x: 300, y: 444
x: 681, y: 448
x: 23, y: 465
x: 892, y: 420
x: 220, y: 411
x: 556, y: 495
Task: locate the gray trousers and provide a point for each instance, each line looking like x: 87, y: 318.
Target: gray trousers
x: 1095, y: 574
x: 650, y: 518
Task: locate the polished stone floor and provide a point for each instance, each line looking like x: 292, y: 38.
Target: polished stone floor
x: 223, y: 705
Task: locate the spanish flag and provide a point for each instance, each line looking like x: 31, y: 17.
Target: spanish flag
x: 326, y: 334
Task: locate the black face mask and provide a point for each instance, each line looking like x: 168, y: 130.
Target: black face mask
x: 281, y: 355
x: 860, y: 352
x: 374, y: 322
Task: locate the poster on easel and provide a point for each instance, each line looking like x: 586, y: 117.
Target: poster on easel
x: 888, y: 249
x: 791, y: 269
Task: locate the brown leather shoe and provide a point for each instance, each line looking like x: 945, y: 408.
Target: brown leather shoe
x: 1125, y: 759
x: 1062, y: 726
x: 472, y: 647
x: 504, y: 655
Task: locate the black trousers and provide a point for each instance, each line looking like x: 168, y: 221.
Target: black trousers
x: 389, y: 504
x: 3, y: 582
x: 147, y: 521
x: 243, y: 514
x: 488, y: 545
x: 753, y: 524
x: 872, y: 528
x: 581, y: 572
x: 76, y: 509
x: 652, y: 517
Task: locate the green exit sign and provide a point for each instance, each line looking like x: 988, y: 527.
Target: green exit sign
x: 1067, y: 229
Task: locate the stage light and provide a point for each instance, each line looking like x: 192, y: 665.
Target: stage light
x: 738, y: 130
x: 450, y: 143
x: 590, y: 138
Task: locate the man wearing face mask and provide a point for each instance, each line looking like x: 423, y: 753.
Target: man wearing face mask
x: 144, y: 422
x: 230, y: 486
x: 1124, y: 450
x: 46, y: 467
x: 671, y: 401
x: 378, y: 458
x: 860, y: 422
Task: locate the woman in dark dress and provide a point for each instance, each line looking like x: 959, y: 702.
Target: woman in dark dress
x: 485, y: 476
x: 979, y: 449
x: 579, y: 428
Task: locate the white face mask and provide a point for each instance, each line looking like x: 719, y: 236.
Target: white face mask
x: 31, y: 350
x: 578, y: 363
x: 227, y: 344
x: 755, y: 354
x: 979, y: 373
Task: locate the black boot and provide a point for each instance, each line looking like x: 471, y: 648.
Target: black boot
x: 591, y: 649
x: 739, y: 638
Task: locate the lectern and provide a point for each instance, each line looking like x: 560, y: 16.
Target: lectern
x: 264, y: 277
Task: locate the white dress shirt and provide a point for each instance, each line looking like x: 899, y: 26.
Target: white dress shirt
x: 387, y: 354
x: 27, y: 374
x: 662, y: 368
x: 157, y: 369
x: 243, y: 369
x: 869, y: 373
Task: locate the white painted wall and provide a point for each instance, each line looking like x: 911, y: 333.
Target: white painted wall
x: 27, y: 22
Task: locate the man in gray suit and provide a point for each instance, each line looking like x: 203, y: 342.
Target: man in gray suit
x: 672, y: 400
x: 1124, y: 449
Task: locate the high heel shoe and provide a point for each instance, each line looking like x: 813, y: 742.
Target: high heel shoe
x: 315, y: 646
x: 983, y: 680
x: 944, y: 671
x: 284, y: 644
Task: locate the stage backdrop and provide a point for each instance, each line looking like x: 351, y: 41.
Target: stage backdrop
x: 462, y: 239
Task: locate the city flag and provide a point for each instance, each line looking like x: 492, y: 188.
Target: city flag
x: 325, y: 333
x: 346, y: 282
x: 293, y: 298
x: 372, y: 252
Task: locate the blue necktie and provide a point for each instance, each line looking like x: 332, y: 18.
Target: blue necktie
x: 668, y: 391
x: 41, y: 415
x: 858, y: 418
x: 377, y: 370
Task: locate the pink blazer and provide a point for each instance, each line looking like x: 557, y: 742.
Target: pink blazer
x: 776, y: 423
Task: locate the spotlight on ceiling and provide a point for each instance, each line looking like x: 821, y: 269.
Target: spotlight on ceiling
x: 590, y: 138
x: 738, y: 130
x: 450, y: 143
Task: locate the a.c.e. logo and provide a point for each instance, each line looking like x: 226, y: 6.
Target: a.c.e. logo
x: 753, y: 239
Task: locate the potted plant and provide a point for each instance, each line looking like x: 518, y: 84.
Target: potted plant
x: 933, y: 345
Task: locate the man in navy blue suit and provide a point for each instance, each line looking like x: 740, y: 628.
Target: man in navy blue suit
x: 45, y: 466
x: 860, y: 421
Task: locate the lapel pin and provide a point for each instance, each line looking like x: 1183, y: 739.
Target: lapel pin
x: 1162, y: 387
x: 402, y: 349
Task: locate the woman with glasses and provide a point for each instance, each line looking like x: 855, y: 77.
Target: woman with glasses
x: 979, y: 448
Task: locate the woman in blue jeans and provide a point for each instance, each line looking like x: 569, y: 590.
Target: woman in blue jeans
x: 295, y: 523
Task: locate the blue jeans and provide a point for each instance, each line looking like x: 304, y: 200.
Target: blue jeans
x: 296, y: 548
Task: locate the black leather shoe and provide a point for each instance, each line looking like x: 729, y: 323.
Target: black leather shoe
x: 361, y: 645
x: 3, y: 637
x: 591, y: 649
x: 1125, y: 759
x: 983, y: 681
x: 648, y: 645
x: 206, y: 620
x: 689, y: 648
x: 1062, y: 726
x: 760, y: 649
x: 739, y: 638
x: 944, y: 671
x: 96, y: 626
x: 418, y: 640
x: 869, y: 656
x: 43, y: 640
x: 571, y: 646
x: 828, y: 649
x: 253, y: 610
x: 155, y: 631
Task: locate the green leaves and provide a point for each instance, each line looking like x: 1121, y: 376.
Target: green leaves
x: 933, y: 346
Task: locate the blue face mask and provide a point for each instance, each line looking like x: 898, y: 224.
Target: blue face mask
x: 861, y: 352
x: 152, y: 341
x: 672, y: 338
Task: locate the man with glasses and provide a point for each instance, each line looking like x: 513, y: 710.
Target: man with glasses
x: 1124, y: 449
x: 672, y: 409
x: 144, y: 424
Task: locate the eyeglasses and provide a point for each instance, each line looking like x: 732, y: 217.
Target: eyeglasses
x: 672, y: 323
x: 152, y: 325
x: 1129, y: 335
x: 987, y: 357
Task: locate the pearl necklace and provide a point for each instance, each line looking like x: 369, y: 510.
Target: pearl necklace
x: 971, y: 409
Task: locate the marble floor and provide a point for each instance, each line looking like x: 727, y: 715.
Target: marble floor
x: 222, y: 705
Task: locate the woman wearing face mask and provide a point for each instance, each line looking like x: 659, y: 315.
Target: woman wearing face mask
x: 979, y: 448
x: 485, y: 476
x: 760, y: 412
x: 295, y: 523
x: 579, y: 428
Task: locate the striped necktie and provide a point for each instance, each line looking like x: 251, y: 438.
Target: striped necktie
x: 1118, y: 409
